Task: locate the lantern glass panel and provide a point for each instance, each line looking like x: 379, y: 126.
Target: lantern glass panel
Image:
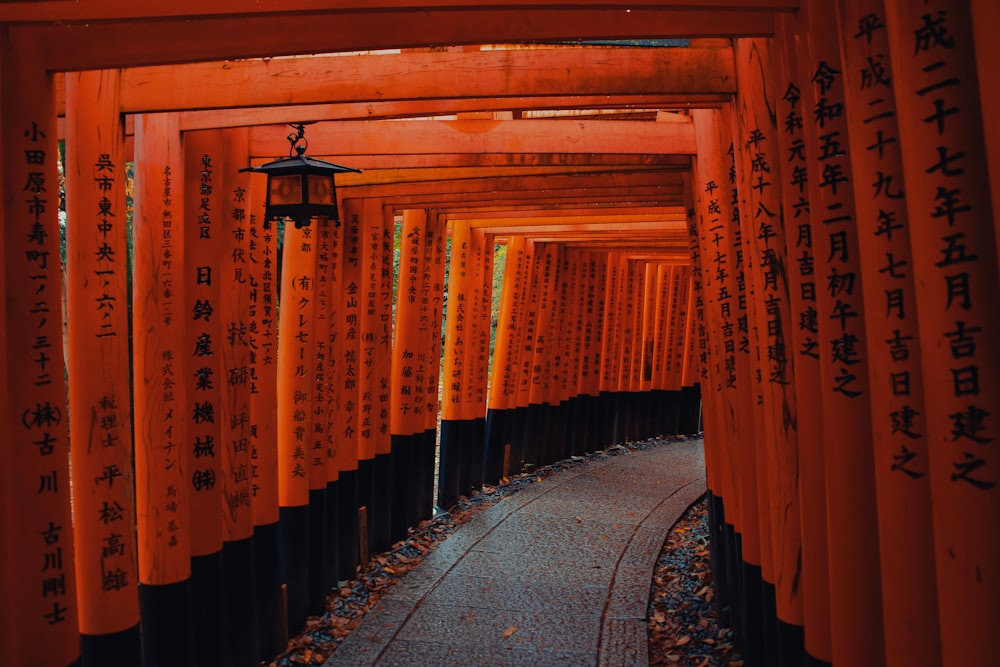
x: 320, y: 189
x: 285, y: 189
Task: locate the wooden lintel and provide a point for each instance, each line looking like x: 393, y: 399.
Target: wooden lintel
x: 481, y: 136
x: 591, y: 71
x: 86, y: 44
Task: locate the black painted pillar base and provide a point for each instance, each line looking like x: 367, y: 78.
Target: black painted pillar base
x: 494, y: 444
x: 594, y: 420
x: 532, y: 431
x: 380, y: 511
x: 317, y: 588
x: 167, y: 625
x: 240, y: 619
x: 753, y: 630
x: 769, y: 617
x: 115, y: 649
x: 366, y: 488
x: 293, y: 557
x: 718, y: 557
x: 267, y: 590
x: 469, y: 448
x: 690, y: 417
x: 347, y: 522
x: 450, y: 464
x: 672, y: 403
x: 791, y: 644
x: 332, y: 531
x: 207, y: 577
x: 810, y: 661
x: 607, y: 412
x: 518, y: 433
x: 429, y: 447
x: 402, y: 492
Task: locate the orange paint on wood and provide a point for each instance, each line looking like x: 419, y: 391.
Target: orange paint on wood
x: 803, y: 346
x: 334, y: 361
x: 459, y: 311
x: 262, y: 300
x: 158, y: 323
x: 369, y: 326
x: 234, y: 346
x: 347, y: 348
x: 855, y: 587
x: 765, y: 244
x: 205, y: 244
x: 903, y: 486
x: 41, y: 572
x: 435, y: 262
x: 98, y: 356
x: 953, y: 238
x: 321, y: 434
x: 296, y: 365
x: 502, y: 387
x: 427, y: 75
x: 383, y: 355
x: 408, y: 341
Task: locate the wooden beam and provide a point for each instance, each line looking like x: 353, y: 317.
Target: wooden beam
x: 428, y: 75
x: 238, y: 117
x: 481, y: 136
x: 92, y: 10
x: 465, y: 174
x: 85, y: 44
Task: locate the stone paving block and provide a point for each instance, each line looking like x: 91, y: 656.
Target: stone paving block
x: 535, y: 631
x: 407, y: 653
x: 624, y: 644
x: 375, y: 633
x: 530, y: 566
x: 522, y: 595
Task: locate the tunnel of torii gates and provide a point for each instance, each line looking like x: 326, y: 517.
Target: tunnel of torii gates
x: 786, y: 220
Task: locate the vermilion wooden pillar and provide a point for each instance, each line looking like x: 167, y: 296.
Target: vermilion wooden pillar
x: 764, y: 239
x: 160, y: 394
x: 331, y: 396
x: 454, y: 424
x: 206, y: 242
x: 262, y: 292
x: 855, y: 595
x: 526, y: 448
x: 572, y: 414
x: 435, y: 261
x: 97, y: 337
x: 347, y: 423
x: 479, y: 353
x: 804, y: 345
x: 501, y: 405
x: 41, y: 570
x: 953, y: 240
x: 373, y: 470
x: 324, y: 240
x: 238, y: 545
x: 984, y: 15
x: 542, y: 306
x: 910, y: 608
x: 406, y: 421
x: 383, y: 372
x: 296, y: 345
x: 722, y: 268
x: 591, y: 377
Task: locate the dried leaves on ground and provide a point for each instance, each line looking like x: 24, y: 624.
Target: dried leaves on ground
x: 681, y: 618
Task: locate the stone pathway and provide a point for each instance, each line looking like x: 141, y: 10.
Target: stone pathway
x: 555, y: 575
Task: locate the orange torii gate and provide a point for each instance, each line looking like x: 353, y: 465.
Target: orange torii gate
x: 920, y: 423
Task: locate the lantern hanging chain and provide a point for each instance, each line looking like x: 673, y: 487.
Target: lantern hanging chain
x: 297, y: 140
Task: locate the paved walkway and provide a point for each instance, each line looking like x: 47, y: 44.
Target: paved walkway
x: 557, y: 574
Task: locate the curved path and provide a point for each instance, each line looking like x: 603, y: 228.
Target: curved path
x: 557, y: 574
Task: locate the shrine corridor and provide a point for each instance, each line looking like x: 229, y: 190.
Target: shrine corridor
x: 280, y: 277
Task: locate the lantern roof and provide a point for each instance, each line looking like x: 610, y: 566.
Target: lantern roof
x: 300, y: 164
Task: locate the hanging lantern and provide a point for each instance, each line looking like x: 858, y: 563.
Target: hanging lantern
x: 300, y: 187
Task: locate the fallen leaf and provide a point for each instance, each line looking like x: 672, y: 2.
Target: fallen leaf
x: 673, y: 657
x: 683, y: 640
x: 509, y: 631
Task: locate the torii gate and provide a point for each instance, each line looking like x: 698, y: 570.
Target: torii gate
x: 829, y: 429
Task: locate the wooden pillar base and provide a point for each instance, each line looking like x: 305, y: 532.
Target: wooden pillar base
x: 333, y: 534
x: 240, y: 602
x: 380, y: 515
x: 293, y: 556
x: 267, y: 589
x: 347, y: 520
x: 316, y: 590
x: 167, y: 624
x: 118, y: 649
x: 493, y: 444
x: 207, y: 579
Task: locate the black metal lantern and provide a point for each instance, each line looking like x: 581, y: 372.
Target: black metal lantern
x: 300, y: 187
